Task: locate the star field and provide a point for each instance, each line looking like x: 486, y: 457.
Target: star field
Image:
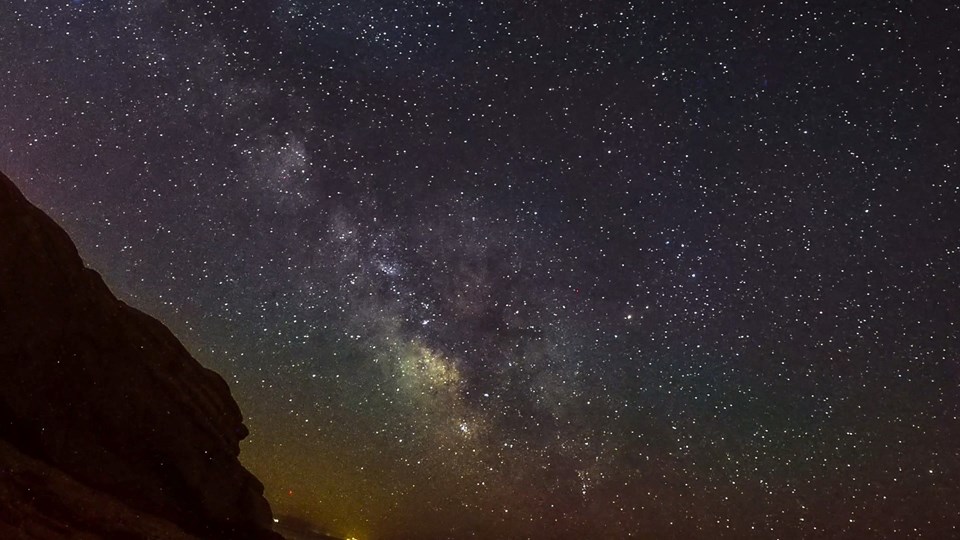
x: 522, y: 269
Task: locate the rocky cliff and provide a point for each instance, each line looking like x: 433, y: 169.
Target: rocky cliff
x: 107, y: 396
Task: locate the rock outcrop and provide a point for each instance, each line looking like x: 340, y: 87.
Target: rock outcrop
x: 39, y: 501
x: 107, y: 396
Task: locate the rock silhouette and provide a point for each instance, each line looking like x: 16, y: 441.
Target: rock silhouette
x: 100, y: 402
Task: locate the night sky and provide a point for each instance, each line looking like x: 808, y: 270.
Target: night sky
x: 529, y: 268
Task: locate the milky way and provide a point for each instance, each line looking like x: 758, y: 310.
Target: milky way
x: 513, y: 269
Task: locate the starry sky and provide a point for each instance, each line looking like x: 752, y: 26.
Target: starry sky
x: 531, y: 269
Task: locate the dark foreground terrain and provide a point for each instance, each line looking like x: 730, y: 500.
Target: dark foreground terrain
x: 108, y: 427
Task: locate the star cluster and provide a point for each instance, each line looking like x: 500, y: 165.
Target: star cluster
x: 523, y: 269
